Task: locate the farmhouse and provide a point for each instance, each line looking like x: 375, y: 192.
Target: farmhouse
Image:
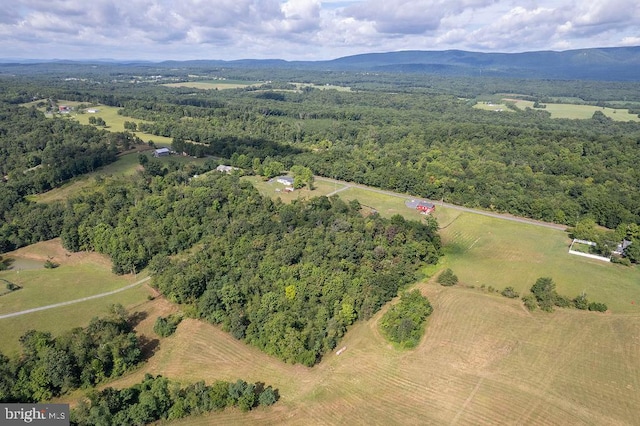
x: 161, y: 152
x: 63, y: 109
x: 285, y: 180
x: 425, y: 207
x: 225, y: 169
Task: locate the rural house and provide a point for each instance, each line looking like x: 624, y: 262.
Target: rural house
x: 425, y: 207
x: 285, y: 180
x: 225, y: 169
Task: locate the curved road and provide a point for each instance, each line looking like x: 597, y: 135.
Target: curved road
x: 71, y: 302
x: 504, y: 216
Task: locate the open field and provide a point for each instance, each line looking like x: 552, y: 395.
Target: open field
x: 214, y: 84
x: 109, y: 114
x: 483, y: 360
x: 79, y: 275
x: 579, y: 111
x: 115, y: 123
x: 276, y: 190
x: 490, y: 106
x: 486, y: 251
x: 126, y: 165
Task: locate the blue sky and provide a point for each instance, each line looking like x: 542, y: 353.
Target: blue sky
x: 306, y: 29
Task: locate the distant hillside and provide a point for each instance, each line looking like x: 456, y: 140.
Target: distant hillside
x: 611, y: 63
x: 617, y: 63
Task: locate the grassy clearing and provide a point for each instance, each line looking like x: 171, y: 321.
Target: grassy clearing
x: 584, y: 112
x: 115, y: 123
x: 276, y: 190
x: 485, y: 251
x: 59, y: 320
x: 490, y: 106
x: 214, y: 84
x: 483, y: 360
x: 79, y: 275
x: 126, y: 165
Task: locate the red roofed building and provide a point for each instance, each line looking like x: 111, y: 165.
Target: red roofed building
x: 425, y: 207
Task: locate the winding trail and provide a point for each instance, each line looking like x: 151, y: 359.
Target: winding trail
x: 447, y: 205
x: 71, y: 302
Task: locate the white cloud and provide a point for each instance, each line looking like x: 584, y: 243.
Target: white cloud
x: 306, y: 29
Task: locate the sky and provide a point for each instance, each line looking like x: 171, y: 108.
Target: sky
x: 305, y: 29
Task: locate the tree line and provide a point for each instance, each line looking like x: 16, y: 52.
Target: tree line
x: 82, y: 357
x: 158, y: 398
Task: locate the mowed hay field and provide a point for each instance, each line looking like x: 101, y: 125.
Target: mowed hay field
x: 483, y: 360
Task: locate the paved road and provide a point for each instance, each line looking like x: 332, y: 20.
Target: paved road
x: 70, y: 302
x: 450, y: 206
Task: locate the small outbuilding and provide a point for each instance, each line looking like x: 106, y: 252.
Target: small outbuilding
x: 161, y: 152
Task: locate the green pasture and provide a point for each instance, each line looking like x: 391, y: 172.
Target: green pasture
x: 126, y: 165
x: 64, y: 318
x: 487, y: 251
x: 323, y: 87
x: 583, y: 112
x: 42, y: 287
x: 115, y: 123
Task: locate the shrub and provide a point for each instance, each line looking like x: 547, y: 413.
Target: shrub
x: 51, y: 265
x: 447, y: 278
x: 165, y: 327
x: 563, y: 301
x: 597, y: 306
x: 530, y: 302
x: 510, y: 293
x: 581, y: 302
x: 403, y: 322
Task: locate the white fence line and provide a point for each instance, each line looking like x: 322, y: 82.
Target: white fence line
x: 592, y: 256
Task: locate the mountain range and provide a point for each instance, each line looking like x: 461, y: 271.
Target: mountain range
x: 609, y: 63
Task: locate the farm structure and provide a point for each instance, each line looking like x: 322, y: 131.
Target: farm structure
x: 161, y: 152
x: 425, y: 207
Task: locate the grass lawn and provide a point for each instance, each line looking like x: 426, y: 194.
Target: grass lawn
x: 276, y: 190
